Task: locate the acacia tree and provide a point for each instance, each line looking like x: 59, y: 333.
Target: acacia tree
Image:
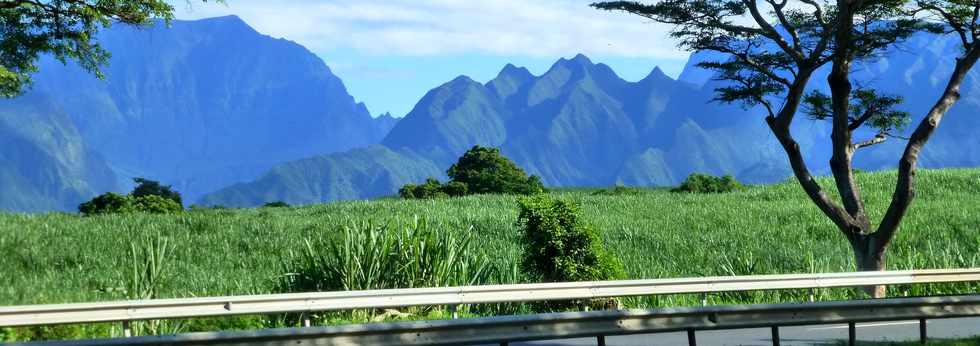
x: 66, y: 30
x: 773, y: 47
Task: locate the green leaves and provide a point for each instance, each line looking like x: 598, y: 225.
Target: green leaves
x: 65, y: 29
x: 480, y: 170
x: 148, y: 197
x: 559, y: 245
x: 867, y: 109
x: 702, y: 183
x: 485, y: 170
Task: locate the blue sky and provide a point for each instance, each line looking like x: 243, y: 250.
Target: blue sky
x: 391, y: 52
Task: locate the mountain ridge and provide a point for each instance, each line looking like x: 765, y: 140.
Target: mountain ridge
x: 204, y: 104
x: 580, y: 124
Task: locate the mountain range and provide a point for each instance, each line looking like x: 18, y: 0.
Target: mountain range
x: 199, y: 104
x: 232, y: 117
x: 579, y: 124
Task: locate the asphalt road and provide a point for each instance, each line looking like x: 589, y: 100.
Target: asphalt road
x: 795, y: 336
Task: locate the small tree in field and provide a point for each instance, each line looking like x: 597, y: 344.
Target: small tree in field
x: 486, y: 170
x: 480, y: 170
x: 146, y: 187
x: 773, y: 47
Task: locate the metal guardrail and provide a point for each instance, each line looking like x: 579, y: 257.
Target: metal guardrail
x: 600, y: 324
x: 125, y: 311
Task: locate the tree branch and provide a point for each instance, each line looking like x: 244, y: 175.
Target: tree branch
x: 878, y: 139
x: 905, y: 186
x: 770, y: 32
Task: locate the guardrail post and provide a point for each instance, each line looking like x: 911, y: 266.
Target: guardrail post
x: 127, y: 331
x: 775, y: 335
x: 600, y: 340
x: 851, y: 333
x: 691, y: 339
x: 453, y: 312
x: 923, y: 337
x: 813, y: 297
x: 704, y: 299
x: 306, y: 321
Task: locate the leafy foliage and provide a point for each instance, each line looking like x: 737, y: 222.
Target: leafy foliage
x: 107, y: 203
x: 480, y: 170
x: 764, y: 61
x: 702, y: 183
x: 276, y: 204
x: 65, y: 29
x: 485, y: 170
x: 147, y: 197
x: 430, y: 189
x: 155, y: 205
x: 867, y: 108
x: 559, y: 245
x: 146, y: 187
x: 112, y: 203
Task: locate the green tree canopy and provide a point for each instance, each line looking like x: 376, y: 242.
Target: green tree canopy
x: 485, y: 170
x: 65, y: 29
x: 146, y: 187
x: 770, y: 50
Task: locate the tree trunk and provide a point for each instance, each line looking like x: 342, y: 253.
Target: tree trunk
x: 869, y: 256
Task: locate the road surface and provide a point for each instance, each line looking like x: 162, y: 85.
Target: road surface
x: 794, y: 336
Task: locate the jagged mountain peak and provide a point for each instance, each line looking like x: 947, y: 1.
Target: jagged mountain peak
x: 509, y: 81
x: 579, y: 59
x: 511, y: 71
x: 461, y: 80
x: 656, y: 75
x: 229, y: 23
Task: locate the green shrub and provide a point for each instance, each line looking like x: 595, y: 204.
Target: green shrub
x: 155, y: 205
x: 430, y: 189
x: 701, y: 183
x: 455, y: 189
x: 107, y: 203
x: 559, y: 246
x: 480, y: 170
x: 485, y: 170
x: 276, y: 204
x: 148, y: 197
x: 146, y: 187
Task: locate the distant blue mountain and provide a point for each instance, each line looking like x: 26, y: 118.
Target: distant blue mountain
x: 579, y: 124
x: 201, y: 105
x: 44, y: 163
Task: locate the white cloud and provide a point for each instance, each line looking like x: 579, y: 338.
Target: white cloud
x: 540, y: 28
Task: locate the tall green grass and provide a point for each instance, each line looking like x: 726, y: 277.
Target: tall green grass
x: 59, y: 258
x: 370, y: 256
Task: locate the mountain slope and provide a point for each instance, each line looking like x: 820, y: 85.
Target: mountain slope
x: 46, y: 165
x: 204, y: 104
x: 356, y: 174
